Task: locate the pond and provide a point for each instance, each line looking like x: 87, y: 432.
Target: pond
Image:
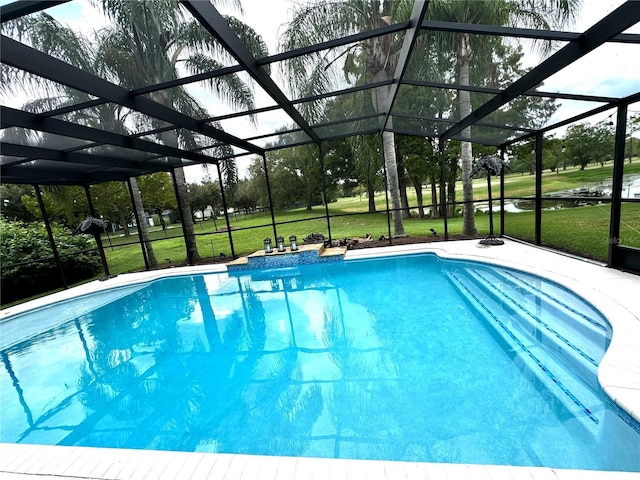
x: 590, y: 193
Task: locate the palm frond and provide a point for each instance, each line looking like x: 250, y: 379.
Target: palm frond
x: 251, y: 39
x: 315, y: 23
x: 47, y: 35
x: 544, y: 14
x: 230, y: 88
x: 229, y: 170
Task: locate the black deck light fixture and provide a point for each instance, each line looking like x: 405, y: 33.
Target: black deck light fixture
x: 267, y: 245
x: 293, y: 243
x: 96, y: 227
x: 280, y: 243
x: 491, y: 165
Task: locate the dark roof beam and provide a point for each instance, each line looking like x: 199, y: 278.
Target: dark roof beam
x: 53, y: 176
x: 616, y: 22
x: 532, y: 33
x: 496, y: 91
x: 338, y: 42
x: 410, y: 37
x: 219, y: 28
x: 35, y: 153
x: 11, y: 117
x: 33, y: 61
x: 16, y: 10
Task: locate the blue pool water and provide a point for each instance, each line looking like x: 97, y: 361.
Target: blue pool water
x: 403, y: 358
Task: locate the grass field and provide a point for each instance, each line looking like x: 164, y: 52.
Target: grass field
x: 583, y: 231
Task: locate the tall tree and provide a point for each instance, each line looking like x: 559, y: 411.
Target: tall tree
x: 149, y: 43
x: 543, y: 14
x: 319, y: 21
x: 112, y: 200
x: 46, y: 34
x: 368, y: 165
x: 157, y: 194
x: 421, y: 163
x: 204, y: 195
x: 585, y: 143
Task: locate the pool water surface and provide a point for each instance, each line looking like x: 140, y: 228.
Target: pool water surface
x: 405, y: 358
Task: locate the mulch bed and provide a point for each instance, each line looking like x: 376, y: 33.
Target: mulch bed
x: 352, y: 246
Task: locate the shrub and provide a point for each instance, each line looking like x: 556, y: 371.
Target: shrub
x: 28, y: 267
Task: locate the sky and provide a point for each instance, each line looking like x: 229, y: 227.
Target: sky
x: 610, y: 70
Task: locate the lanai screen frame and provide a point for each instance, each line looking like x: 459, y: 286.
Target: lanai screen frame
x: 85, y: 169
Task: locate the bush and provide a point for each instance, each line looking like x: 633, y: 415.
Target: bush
x: 28, y: 267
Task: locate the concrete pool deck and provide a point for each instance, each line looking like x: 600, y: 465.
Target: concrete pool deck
x: 616, y: 294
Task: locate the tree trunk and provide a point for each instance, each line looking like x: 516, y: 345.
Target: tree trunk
x: 125, y: 224
x: 371, y: 195
x: 451, y: 187
x: 402, y: 185
x: 389, y: 150
x: 435, y: 209
x: 417, y: 185
x: 464, y: 96
x: 404, y: 199
x: 143, y: 231
x: 184, y: 206
x: 185, y: 215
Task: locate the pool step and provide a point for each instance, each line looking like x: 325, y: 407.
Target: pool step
x: 577, y: 340
x: 540, y: 344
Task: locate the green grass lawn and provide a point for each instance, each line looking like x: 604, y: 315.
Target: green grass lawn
x: 582, y: 231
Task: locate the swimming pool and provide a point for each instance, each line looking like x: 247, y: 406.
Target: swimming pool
x: 264, y: 365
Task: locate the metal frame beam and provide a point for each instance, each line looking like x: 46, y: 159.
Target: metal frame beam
x: 410, y: 37
x: 616, y: 187
x: 53, y: 176
x: 616, y: 22
x: 500, y: 31
x: 338, y: 42
x: 219, y: 28
x: 497, y: 91
x: 11, y: 117
x: 35, y: 153
x: 38, y: 63
x: 19, y: 9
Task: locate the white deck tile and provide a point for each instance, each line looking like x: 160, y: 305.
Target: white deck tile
x: 338, y: 469
x: 252, y: 470
x: 480, y: 472
x: 237, y: 465
x: 124, y: 463
x: 416, y: 471
x: 69, y: 456
x: 286, y: 468
x: 541, y: 473
x: 221, y: 467
x: 303, y: 469
x: 103, y: 462
x: 204, y: 467
x: 270, y: 467
x: 118, y: 465
x: 191, y: 465
x: 173, y: 469
x: 373, y: 471
x: 84, y: 464
x: 151, y: 467
x: 393, y: 471
x: 14, y: 456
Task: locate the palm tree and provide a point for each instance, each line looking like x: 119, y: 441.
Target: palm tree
x: 309, y: 74
x: 542, y: 14
x: 149, y: 43
x: 46, y: 34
